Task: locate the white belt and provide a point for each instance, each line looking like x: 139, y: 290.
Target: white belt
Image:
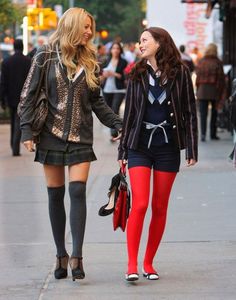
x: 154, y: 128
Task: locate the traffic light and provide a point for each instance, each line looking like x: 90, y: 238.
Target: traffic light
x: 49, y: 19
x: 104, y: 34
x: 41, y: 19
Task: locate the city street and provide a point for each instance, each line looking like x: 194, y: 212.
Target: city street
x: 197, y: 257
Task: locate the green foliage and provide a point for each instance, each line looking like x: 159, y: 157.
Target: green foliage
x: 130, y: 27
x: 106, y: 14
x: 121, y: 17
x: 10, y: 14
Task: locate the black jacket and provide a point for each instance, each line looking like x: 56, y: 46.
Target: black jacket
x: 119, y: 82
x: 13, y: 74
x: 181, y: 109
x: 70, y: 106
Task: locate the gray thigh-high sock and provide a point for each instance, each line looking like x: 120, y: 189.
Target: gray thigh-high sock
x: 77, y: 191
x: 57, y: 216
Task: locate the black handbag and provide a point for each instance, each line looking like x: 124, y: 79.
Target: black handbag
x: 40, y: 103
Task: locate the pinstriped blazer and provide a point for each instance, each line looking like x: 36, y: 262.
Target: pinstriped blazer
x: 182, y: 111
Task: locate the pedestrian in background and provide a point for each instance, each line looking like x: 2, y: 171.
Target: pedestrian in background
x: 186, y: 58
x: 114, y: 80
x: 130, y: 52
x: 159, y: 120
x: 196, y: 55
x: 210, y: 83
x: 101, y: 55
x: 14, y: 71
x: 32, y: 50
x: 67, y: 136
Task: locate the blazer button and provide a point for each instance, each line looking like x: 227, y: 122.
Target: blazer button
x: 168, y: 102
x: 171, y: 114
x: 174, y: 126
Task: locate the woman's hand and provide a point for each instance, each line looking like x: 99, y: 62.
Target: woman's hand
x: 107, y: 73
x: 117, y: 75
x: 122, y: 162
x: 118, y: 136
x: 29, y: 145
x: 191, y: 162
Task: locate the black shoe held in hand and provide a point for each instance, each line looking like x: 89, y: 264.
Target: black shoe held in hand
x: 108, y: 208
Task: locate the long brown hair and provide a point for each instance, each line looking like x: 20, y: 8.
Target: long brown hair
x: 120, y: 47
x: 167, y: 57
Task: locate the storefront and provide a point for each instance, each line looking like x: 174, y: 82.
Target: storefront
x: 227, y: 14
x: 186, y: 23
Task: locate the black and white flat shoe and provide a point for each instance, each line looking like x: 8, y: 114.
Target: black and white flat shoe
x: 131, y: 277
x: 150, y: 276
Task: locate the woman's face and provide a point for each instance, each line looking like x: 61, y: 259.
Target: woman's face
x: 87, y: 31
x: 148, y: 45
x: 115, y: 50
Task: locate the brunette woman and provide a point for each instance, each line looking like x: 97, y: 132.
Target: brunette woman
x: 114, y: 80
x: 67, y: 137
x: 159, y: 120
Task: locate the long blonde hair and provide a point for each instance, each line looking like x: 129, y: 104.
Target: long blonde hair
x: 68, y: 36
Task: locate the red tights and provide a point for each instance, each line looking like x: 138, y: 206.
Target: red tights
x: 140, y: 187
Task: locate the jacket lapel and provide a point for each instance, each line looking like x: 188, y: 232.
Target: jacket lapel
x: 169, y: 85
x: 145, y: 85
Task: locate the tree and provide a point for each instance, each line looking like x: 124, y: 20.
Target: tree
x: 133, y: 14
x: 121, y: 17
x: 10, y: 14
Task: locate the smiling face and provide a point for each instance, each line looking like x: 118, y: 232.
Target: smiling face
x: 115, y: 50
x: 87, y: 31
x: 148, y: 45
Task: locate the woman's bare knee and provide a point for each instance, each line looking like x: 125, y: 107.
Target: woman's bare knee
x: 54, y: 175
x: 79, y: 172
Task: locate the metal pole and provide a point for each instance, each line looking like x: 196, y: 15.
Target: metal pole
x: 71, y: 3
x: 25, y: 35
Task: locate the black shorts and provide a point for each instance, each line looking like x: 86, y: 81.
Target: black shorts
x: 164, y: 158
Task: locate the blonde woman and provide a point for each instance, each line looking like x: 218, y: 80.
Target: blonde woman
x: 67, y: 136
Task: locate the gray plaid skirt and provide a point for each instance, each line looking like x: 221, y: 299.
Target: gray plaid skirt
x: 64, y: 158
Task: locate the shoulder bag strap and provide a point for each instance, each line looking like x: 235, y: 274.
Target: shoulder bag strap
x: 42, y: 76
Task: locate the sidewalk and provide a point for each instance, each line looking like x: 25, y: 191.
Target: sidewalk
x: 196, y: 260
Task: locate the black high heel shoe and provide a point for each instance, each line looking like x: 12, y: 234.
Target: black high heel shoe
x: 108, y: 208
x: 77, y: 268
x: 61, y: 267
